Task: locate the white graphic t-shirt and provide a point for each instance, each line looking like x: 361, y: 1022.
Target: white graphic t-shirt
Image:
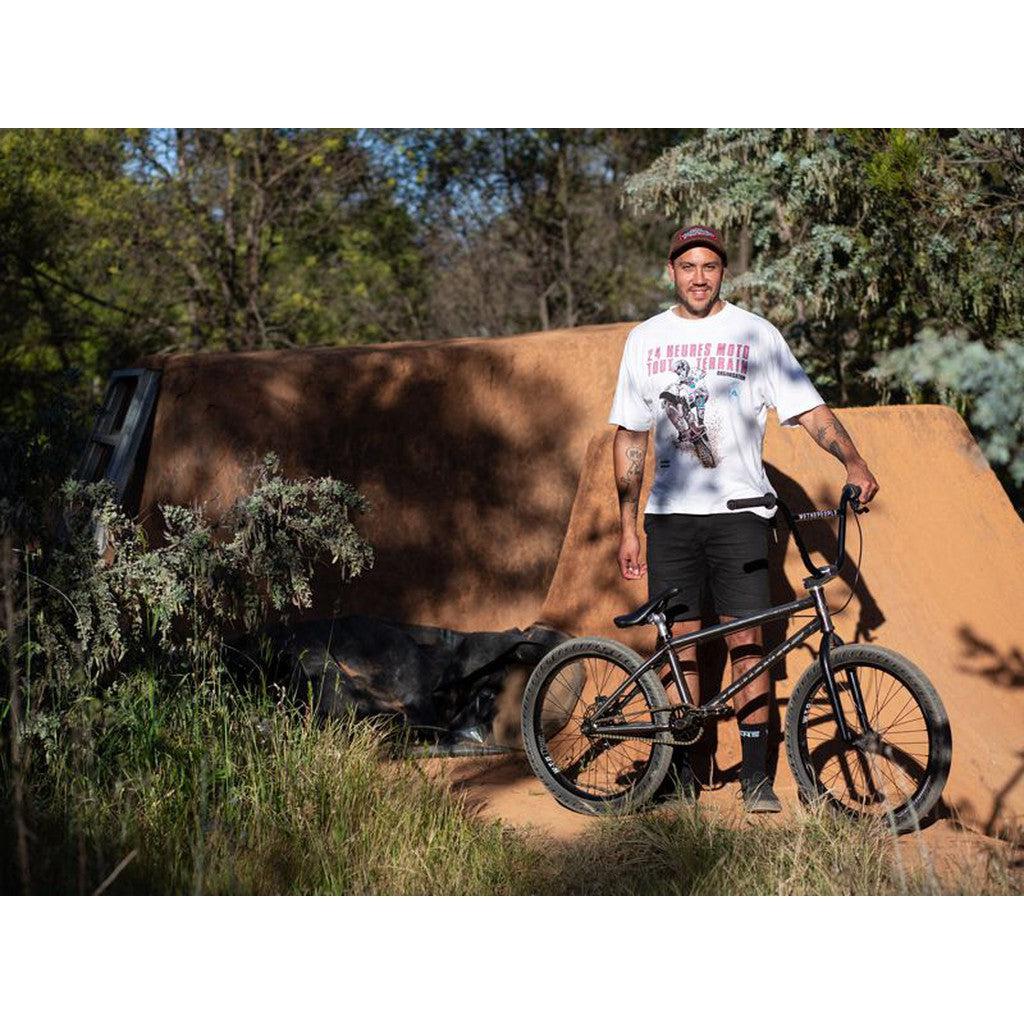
x: 705, y: 386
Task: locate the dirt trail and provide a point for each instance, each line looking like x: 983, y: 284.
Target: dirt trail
x: 504, y: 789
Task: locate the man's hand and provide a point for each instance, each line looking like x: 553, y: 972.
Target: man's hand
x: 857, y: 473
x: 631, y: 565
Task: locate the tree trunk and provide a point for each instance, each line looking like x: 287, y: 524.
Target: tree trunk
x: 567, y: 255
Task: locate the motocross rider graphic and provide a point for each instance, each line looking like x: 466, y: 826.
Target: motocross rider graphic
x: 684, y: 403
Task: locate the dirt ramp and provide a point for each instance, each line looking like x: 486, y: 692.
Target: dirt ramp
x: 469, y: 451
x: 940, y: 582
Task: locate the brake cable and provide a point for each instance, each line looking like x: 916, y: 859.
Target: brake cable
x: 856, y: 574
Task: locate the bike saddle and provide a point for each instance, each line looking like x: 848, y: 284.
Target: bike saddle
x: 643, y: 614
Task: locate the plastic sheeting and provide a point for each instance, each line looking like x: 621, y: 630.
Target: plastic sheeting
x: 459, y: 692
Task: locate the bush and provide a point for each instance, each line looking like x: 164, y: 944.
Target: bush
x: 983, y: 383
x: 87, y: 613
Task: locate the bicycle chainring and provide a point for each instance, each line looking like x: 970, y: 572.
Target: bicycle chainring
x: 686, y: 728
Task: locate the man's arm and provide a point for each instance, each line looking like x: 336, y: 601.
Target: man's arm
x: 824, y: 426
x: 629, y: 453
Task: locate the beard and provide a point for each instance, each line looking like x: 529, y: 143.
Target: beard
x: 702, y: 310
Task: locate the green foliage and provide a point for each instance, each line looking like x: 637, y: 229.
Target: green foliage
x: 984, y: 384
x: 273, y: 237
x: 524, y: 228
x: 856, y: 240
x: 58, y: 190
x: 115, y: 244
x: 179, y: 601
x: 221, y: 791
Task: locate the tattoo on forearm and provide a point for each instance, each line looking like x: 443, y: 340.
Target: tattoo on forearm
x: 629, y: 482
x: 839, y: 444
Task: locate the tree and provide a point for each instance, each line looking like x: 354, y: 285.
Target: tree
x: 524, y: 228
x: 855, y: 241
x: 277, y: 237
x: 52, y: 301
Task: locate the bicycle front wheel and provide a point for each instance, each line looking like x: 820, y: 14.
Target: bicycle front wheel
x: 586, y: 773
x: 897, y: 772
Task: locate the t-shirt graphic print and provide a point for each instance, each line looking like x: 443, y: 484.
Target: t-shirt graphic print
x: 706, y: 386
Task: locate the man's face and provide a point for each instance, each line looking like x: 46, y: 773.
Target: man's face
x: 697, y: 275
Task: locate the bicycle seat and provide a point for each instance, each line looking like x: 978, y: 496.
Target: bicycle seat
x: 643, y: 614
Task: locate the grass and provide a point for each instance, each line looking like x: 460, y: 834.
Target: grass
x: 221, y: 791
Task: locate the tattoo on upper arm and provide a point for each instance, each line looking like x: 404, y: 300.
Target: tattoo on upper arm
x: 636, y: 461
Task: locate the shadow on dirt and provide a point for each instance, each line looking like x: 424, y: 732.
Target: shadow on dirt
x: 470, y: 488
x: 1004, y: 670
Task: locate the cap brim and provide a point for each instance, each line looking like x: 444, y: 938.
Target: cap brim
x: 702, y: 243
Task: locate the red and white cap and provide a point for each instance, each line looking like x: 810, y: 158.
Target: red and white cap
x: 697, y: 235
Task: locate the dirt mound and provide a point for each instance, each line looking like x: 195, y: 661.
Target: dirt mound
x: 471, y: 453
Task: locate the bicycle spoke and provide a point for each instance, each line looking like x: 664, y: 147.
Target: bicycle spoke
x: 595, y: 766
x: 881, y: 777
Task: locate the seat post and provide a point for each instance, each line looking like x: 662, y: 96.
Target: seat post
x: 660, y: 619
x: 664, y: 629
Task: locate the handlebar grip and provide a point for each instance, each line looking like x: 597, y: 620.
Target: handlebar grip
x: 765, y: 501
x: 852, y: 493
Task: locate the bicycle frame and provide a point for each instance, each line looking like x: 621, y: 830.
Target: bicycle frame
x: 718, y: 707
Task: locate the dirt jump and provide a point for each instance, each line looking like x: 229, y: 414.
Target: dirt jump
x: 488, y: 467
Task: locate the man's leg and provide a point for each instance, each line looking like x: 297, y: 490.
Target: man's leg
x: 675, y: 558
x: 738, y: 557
x: 746, y: 648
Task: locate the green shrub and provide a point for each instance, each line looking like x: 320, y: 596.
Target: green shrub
x: 90, y: 612
x: 982, y: 382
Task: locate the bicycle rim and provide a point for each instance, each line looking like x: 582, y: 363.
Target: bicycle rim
x: 593, y: 768
x: 890, y: 780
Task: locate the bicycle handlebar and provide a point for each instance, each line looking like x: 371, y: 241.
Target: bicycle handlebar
x: 850, y: 496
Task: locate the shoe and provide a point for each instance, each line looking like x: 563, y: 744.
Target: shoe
x: 759, y: 797
x: 681, y: 785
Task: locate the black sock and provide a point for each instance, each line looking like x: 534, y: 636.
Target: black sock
x: 754, y: 741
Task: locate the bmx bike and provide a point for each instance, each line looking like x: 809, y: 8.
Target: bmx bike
x: 865, y: 730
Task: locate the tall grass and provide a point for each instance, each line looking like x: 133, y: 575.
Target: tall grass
x: 223, y: 791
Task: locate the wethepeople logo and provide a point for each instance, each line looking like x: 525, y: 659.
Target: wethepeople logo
x: 697, y: 233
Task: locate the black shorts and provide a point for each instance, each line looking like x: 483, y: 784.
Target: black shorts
x: 728, y: 551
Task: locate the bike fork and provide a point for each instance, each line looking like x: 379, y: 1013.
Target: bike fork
x: 829, y: 640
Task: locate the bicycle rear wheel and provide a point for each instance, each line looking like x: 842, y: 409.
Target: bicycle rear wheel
x: 899, y: 773
x: 590, y: 774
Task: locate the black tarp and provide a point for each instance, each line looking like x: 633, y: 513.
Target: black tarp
x: 458, y: 692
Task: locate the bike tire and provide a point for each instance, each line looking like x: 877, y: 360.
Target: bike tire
x: 899, y: 784
x: 618, y: 776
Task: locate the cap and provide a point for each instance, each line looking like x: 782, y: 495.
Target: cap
x: 697, y: 235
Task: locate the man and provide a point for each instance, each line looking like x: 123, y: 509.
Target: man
x: 745, y: 367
